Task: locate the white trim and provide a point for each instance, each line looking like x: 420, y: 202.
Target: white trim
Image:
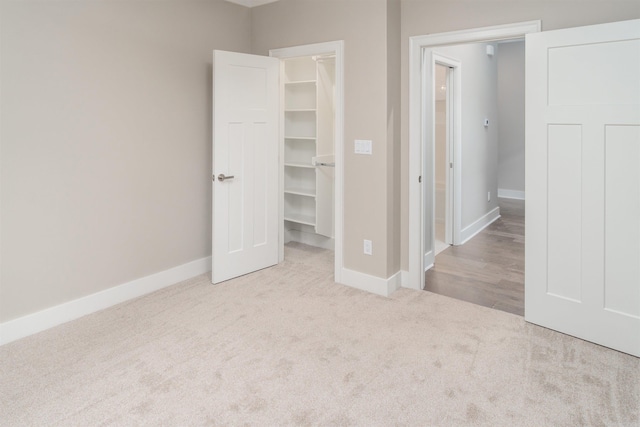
x: 429, y: 260
x: 510, y: 194
x: 336, y: 48
x: 417, y: 45
x: 404, y: 278
x: 480, y: 224
x: 483, y: 34
x: 376, y: 285
x: 59, y: 314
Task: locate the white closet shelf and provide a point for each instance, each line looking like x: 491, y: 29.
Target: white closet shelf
x: 300, y: 165
x: 307, y: 138
x: 298, y: 191
x: 301, y: 82
x: 300, y: 219
x: 300, y: 110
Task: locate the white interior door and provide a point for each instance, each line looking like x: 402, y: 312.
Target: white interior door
x: 428, y: 165
x: 583, y: 183
x: 245, y: 164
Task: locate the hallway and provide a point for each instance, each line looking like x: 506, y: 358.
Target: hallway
x: 488, y: 270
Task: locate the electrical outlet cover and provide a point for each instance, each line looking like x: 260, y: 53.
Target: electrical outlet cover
x: 368, y: 247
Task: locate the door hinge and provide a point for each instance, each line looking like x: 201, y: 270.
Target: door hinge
x: 420, y: 179
x: 451, y: 165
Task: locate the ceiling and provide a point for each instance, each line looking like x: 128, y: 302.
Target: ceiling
x: 251, y: 3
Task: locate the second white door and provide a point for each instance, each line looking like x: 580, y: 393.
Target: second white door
x: 583, y: 183
x: 245, y: 164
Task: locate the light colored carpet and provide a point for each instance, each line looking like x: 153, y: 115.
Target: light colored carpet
x: 287, y: 346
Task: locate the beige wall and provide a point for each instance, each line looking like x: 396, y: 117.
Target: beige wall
x: 362, y: 24
x: 105, y: 126
x: 420, y: 17
x: 106, y: 142
x: 394, y: 98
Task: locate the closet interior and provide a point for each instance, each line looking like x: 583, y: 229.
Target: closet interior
x: 309, y: 148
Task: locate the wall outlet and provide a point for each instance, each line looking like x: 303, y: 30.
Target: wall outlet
x: 368, y: 247
x: 488, y: 196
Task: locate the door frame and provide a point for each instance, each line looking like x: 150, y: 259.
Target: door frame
x: 336, y: 48
x: 418, y: 96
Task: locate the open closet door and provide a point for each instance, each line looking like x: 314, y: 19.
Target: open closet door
x: 583, y: 183
x: 245, y: 164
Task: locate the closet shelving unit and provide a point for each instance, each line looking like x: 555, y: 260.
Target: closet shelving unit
x: 300, y: 89
x: 305, y: 189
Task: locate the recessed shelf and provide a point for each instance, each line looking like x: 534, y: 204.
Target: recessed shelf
x: 300, y: 192
x: 301, y: 82
x: 306, y: 138
x: 299, y: 165
x: 300, y: 219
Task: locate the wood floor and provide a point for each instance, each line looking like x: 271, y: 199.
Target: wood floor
x: 489, y: 269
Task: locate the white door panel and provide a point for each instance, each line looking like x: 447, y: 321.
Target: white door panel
x: 583, y: 186
x: 621, y: 246
x: 245, y: 146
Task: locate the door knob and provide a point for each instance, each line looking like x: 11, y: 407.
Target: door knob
x: 221, y: 177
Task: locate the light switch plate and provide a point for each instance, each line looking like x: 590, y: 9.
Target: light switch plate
x: 363, y: 146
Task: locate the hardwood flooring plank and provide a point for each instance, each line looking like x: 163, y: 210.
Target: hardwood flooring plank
x: 489, y: 269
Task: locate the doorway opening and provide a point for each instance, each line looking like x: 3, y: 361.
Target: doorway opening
x: 311, y: 172
x: 422, y: 147
x: 486, y: 266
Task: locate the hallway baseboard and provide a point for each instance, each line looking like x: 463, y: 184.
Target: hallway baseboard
x: 483, y: 222
x: 510, y: 194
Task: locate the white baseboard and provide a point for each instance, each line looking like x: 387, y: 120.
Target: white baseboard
x: 428, y: 259
x: 468, y: 232
x: 376, y: 285
x: 404, y: 278
x: 54, y: 316
x: 510, y: 194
